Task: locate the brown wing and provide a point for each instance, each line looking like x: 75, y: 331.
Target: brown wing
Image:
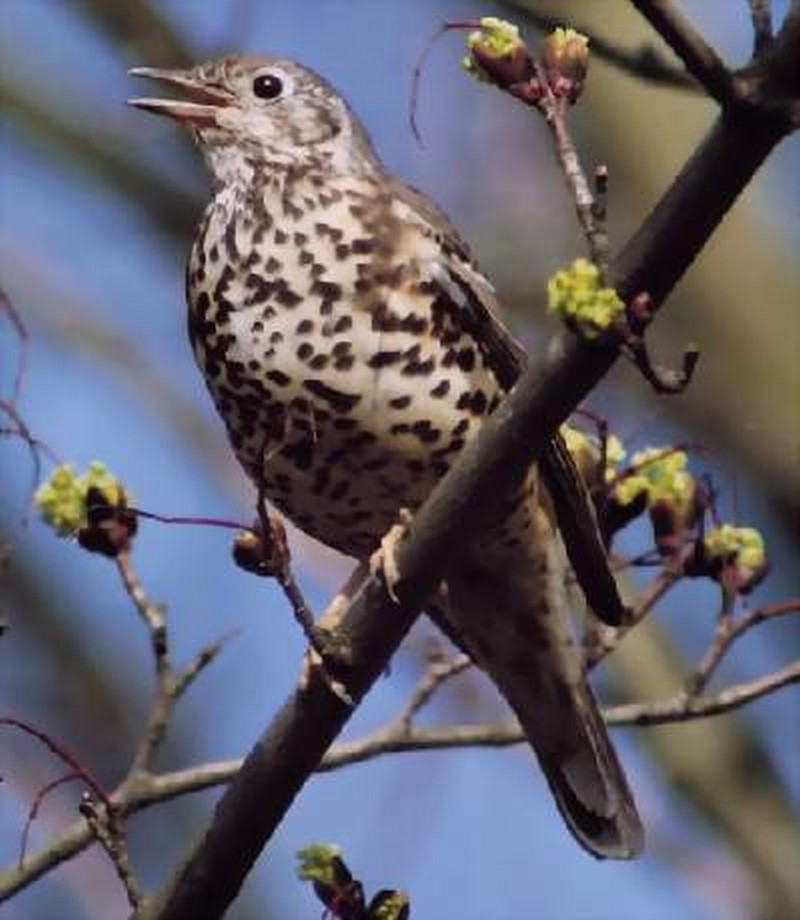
x: 478, y: 306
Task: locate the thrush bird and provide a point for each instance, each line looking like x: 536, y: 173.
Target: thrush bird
x: 352, y: 348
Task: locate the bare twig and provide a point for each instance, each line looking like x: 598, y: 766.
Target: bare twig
x: 438, y: 673
x: 152, y: 615
x: 700, y: 59
x: 33, y: 812
x: 590, y: 216
x: 109, y: 831
x: 58, y: 749
x: 601, y: 640
x: 728, y: 630
x: 7, y: 306
x: 761, y: 16
x: 171, y: 687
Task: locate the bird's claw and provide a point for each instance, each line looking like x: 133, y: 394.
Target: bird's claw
x: 384, y: 559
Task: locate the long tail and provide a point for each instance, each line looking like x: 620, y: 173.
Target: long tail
x: 513, y: 621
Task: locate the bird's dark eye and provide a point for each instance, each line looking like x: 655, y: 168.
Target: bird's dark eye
x: 267, y: 86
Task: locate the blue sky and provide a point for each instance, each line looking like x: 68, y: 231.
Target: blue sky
x: 468, y: 834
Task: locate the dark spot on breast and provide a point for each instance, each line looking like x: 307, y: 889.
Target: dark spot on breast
x: 276, y: 337
x: 334, y: 233
x: 336, y: 399
x: 343, y: 423
x: 343, y: 324
x: 280, y: 237
x: 328, y: 290
x: 400, y: 402
x: 466, y: 359
x: 300, y: 239
x: 479, y: 402
x: 286, y: 297
x: 304, y: 327
x: 278, y: 377
x: 419, y: 368
x: 414, y: 324
x: 425, y: 432
x: 441, y: 389
x: 383, y: 320
x: 341, y: 348
x: 301, y: 453
x: 344, y: 362
x: 384, y: 358
x: 305, y: 351
x: 363, y: 246
x: 319, y: 362
x: 342, y: 251
x: 305, y: 257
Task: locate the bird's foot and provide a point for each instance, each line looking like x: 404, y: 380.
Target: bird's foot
x: 384, y: 560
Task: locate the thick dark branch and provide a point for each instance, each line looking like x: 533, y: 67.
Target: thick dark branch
x: 700, y: 59
x: 294, y: 743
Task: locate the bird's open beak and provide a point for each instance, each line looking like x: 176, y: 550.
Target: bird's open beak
x: 202, y: 102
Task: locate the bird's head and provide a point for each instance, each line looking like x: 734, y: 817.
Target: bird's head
x: 243, y: 107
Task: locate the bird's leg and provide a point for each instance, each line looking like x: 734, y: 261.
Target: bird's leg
x: 384, y: 559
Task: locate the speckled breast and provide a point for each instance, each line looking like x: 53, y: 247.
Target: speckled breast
x: 338, y: 364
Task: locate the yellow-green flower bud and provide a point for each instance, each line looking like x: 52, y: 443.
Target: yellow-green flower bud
x: 62, y: 499
x: 661, y: 473
x: 744, y: 545
x: 575, y: 295
x: 497, y: 54
x: 319, y: 863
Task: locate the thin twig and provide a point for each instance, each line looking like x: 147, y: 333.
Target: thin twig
x: 590, y: 216
x: 761, y: 17
x: 602, y: 639
x: 64, y: 755
x: 438, y: 673
x: 7, y: 306
x: 699, y: 57
x: 171, y: 687
x: 727, y: 632
x: 152, y: 615
x: 36, y: 805
x: 108, y: 829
